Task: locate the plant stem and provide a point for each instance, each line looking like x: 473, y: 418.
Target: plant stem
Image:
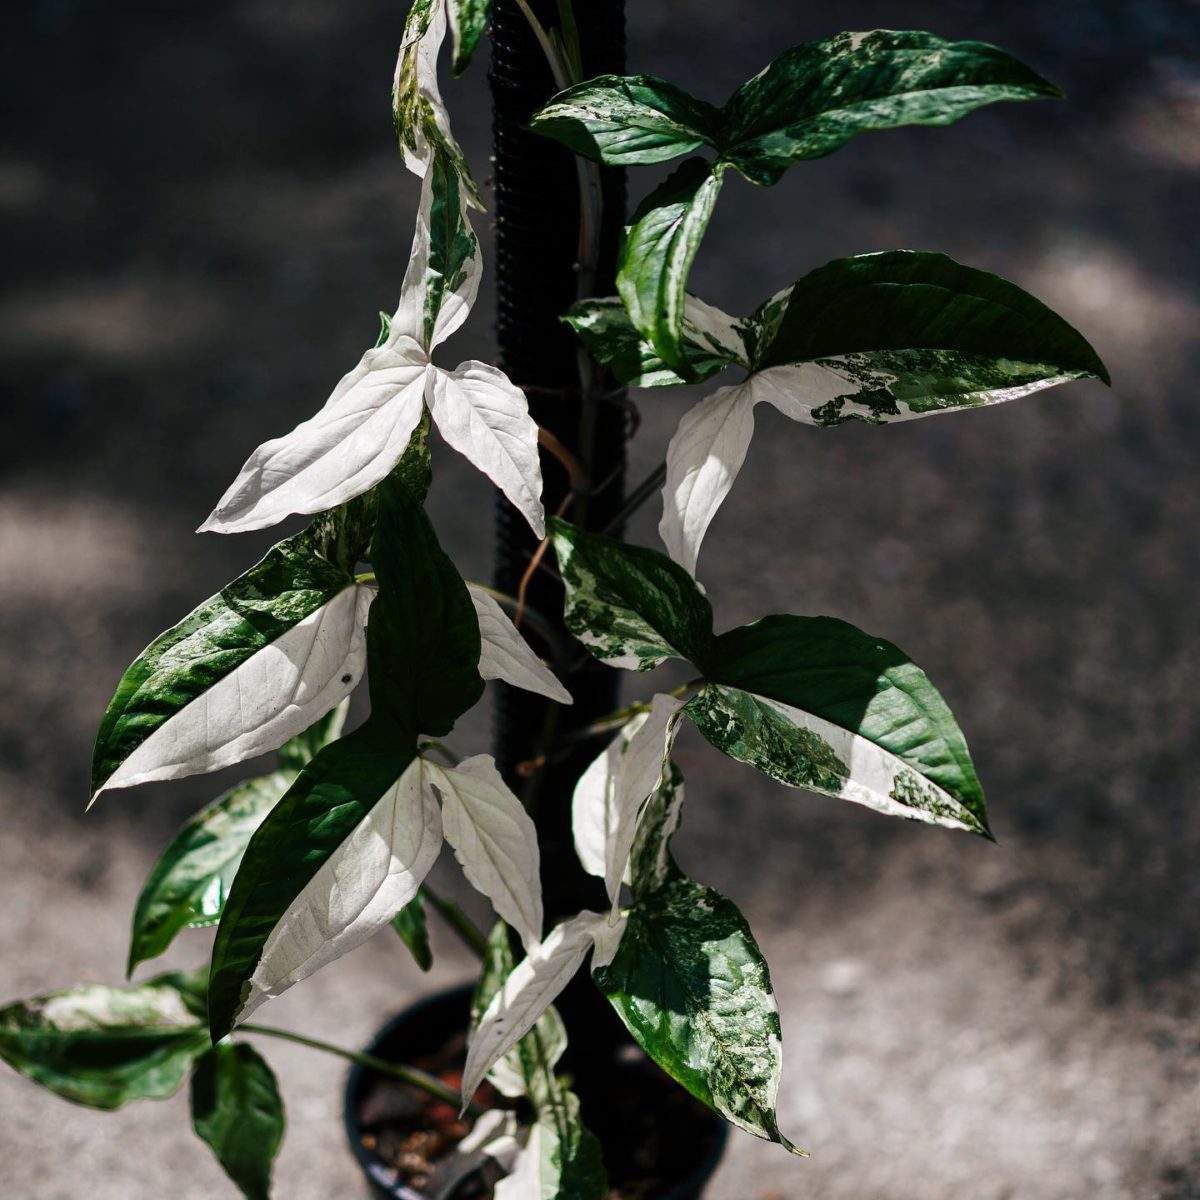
x: 638, y: 497
x: 615, y: 720
x: 458, y: 920
x: 413, y: 1076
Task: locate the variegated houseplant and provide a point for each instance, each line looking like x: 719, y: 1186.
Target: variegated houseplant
x: 300, y: 866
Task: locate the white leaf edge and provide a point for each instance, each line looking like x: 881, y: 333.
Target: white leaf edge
x: 872, y: 771
x: 409, y: 318
x: 532, y: 987
x: 352, y: 444
x: 494, y: 840
x: 373, y: 874
x: 611, y: 794
x: 274, y: 695
x: 483, y: 416
x: 710, y: 444
x: 504, y: 654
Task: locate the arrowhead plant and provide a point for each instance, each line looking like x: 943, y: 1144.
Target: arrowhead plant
x: 297, y: 866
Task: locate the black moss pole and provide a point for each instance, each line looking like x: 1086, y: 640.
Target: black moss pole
x: 537, y: 263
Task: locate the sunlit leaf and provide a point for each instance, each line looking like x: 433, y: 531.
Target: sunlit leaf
x: 661, y: 241
x: 631, y: 607
x: 251, y: 667
x: 191, y: 879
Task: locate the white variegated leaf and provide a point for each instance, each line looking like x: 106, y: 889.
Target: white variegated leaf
x: 373, y: 874
x: 445, y: 266
x: 703, y: 459
x: 272, y: 696
x: 420, y: 116
x: 494, y: 840
x: 532, y: 988
x: 612, y: 792
x: 802, y: 750
x: 486, y: 419
x: 708, y: 326
x: 504, y: 654
x: 347, y: 448
x: 496, y: 1135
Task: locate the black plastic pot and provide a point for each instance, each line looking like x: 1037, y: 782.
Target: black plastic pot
x: 436, y: 1018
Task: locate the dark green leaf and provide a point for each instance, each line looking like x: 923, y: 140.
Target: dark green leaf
x: 468, y: 19
x: 925, y: 332
x: 332, y: 795
x: 237, y: 1110
x: 691, y: 985
x: 104, y: 1046
x: 798, y: 697
x: 815, y: 97
x: 291, y: 583
x: 189, y: 883
x: 630, y: 606
x: 660, y: 244
x: 627, y: 119
x: 409, y: 923
x: 423, y: 637
x: 605, y: 329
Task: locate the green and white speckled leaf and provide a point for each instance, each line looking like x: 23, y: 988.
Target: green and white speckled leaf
x: 817, y: 704
x: 651, y: 864
x: 253, y: 666
x: 561, y: 1160
x: 418, y: 112
x: 445, y: 266
x: 630, y: 606
x: 661, y: 241
x: 190, y: 881
x: 817, y: 96
x: 238, y: 1112
x: 613, y: 792
x: 877, y: 338
x: 468, y: 20
x: 104, y: 1046
x: 530, y: 988
x: 409, y: 924
x: 711, y: 340
x: 494, y: 840
x: 802, y: 750
x: 622, y: 120
x: 890, y: 305
x: 691, y: 985
x: 528, y: 1067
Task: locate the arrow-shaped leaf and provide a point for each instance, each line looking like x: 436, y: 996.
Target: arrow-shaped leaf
x: 250, y: 668
x: 237, y: 1111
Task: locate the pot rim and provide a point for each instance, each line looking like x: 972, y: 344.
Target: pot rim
x: 381, y: 1176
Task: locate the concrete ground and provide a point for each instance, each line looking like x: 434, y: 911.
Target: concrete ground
x: 204, y: 212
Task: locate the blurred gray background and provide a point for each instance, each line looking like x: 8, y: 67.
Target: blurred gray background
x: 203, y: 212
